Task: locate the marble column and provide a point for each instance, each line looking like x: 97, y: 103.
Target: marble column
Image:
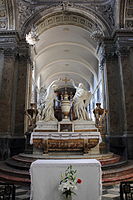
x: 125, y: 49
x: 6, y: 98
x: 114, y: 99
x: 13, y: 72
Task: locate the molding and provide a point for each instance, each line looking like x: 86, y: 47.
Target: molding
x: 122, y: 13
x: 42, y: 2
x: 65, y: 18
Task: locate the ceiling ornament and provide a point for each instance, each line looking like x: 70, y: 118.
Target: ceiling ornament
x: 65, y: 5
x: 32, y: 36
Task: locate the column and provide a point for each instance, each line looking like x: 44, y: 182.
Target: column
x: 13, y: 77
x: 18, y: 142
x: 125, y: 49
x: 7, y: 79
x: 114, y: 101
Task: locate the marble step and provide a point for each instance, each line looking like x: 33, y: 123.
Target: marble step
x: 18, y: 164
x: 5, y: 169
x: 106, y: 160
x: 117, y: 179
x: 119, y: 171
x: 14, y: 179
x: 17, y: 168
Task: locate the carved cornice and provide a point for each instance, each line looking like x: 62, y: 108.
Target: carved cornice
x: 10, y: 45
x: 8, y: 39
x: 73, y: 1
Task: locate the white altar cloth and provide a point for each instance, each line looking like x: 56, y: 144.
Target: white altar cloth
x: 62, y: 135
x: 46, y: 176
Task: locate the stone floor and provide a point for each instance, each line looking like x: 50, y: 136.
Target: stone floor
x: 109, y: 193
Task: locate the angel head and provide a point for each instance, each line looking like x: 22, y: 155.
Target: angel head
x: 81, y: 85
x: 54, y: 87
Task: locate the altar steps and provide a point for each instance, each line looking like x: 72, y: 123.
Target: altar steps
x: 12, y: 175
x: 118, y: 174
x: 16, y: 170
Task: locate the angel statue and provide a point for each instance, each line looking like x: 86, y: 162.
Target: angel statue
x: 81, y: 99
x: 48, y: 110
x: 40, y: 102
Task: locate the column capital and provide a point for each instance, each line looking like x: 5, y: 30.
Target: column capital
x: 109, y: 50
x: 123, y: 50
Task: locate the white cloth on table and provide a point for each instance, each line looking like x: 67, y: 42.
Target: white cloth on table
x: 68, y: 135
x: 46, y: 176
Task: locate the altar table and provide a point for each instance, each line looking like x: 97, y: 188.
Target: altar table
x: 46, y: 176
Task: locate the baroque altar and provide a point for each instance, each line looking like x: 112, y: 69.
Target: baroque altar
x: 75, y: 136
x: 82, y: 139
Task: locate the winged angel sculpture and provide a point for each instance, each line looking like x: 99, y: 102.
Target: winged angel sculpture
x: 81, y: 99
x: 46, y: 102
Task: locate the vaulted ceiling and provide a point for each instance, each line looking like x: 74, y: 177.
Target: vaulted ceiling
x: 66, y: 51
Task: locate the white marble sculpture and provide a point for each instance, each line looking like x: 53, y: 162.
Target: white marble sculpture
x: 81, y: 99
x: 48, y: 110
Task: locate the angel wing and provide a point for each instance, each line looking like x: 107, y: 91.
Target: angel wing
x: 88, y: 97
x: 42, y: 95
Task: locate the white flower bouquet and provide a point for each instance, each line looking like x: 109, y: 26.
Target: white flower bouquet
x: 69, y: 181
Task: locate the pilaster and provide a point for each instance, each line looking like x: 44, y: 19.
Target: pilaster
x: 6, y: 90
x: 13, y: 68
x: 125, y: 53
x: 115, y: 105
x: 115, y: 122
x: 22, y: 60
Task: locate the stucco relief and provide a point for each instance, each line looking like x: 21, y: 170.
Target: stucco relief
x: 7, y: 17
x: 3, y: 17
x: 59, y: 19
x: 24, y: 12
x: 129, y: 14
x: 2, y: 2
x: 129, y: 24
x: 33, y: 10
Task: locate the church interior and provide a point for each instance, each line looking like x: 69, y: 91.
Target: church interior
x: 66, y: 90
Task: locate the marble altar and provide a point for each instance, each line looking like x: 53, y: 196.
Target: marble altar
x: 81, y: 138
x: 78, y: 136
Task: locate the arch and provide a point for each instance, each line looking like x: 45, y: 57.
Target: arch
x: 80, y: 16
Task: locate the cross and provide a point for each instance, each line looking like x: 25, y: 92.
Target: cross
x: 66, y: 80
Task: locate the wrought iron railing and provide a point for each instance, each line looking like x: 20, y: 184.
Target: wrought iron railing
x: 126, y: 190
x: 7, y: 191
